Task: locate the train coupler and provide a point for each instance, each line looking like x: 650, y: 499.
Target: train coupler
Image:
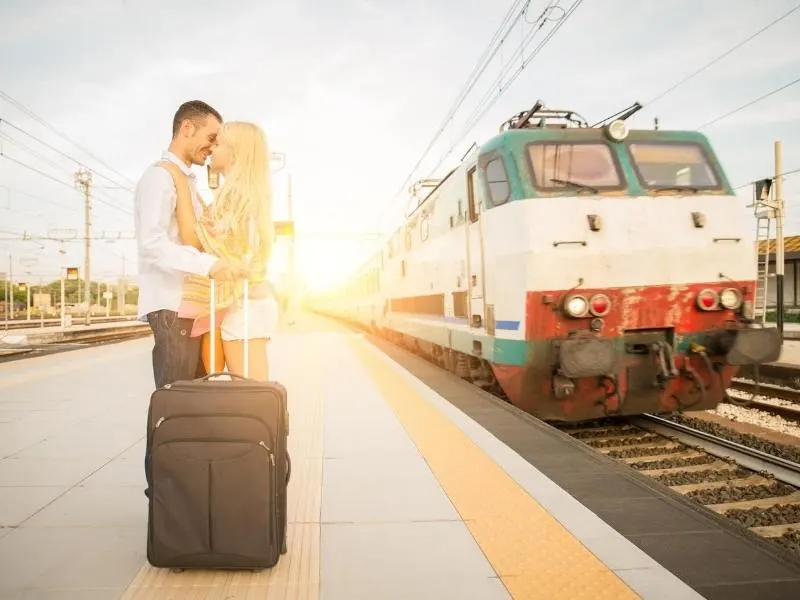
x: 665, y: 361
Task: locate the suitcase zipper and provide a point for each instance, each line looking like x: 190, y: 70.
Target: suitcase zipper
x: 209, y: 415
x: 271, y: 453
x: 273, y: 526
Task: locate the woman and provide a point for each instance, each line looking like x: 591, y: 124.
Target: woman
x: 237, y: 226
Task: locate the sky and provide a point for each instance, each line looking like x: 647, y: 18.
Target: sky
x: 352, y: 92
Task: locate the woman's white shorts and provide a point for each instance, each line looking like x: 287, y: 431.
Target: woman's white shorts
x: 263, y: 320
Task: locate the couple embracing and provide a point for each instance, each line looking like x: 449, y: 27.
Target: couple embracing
x: 183, y: 245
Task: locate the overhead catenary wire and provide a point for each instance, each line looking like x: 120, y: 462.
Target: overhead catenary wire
x: 712, y: 62
x: 749, y: 104
x: 65, y: 137
x: 61, y: 153
x: 483, y: 62
x: 487, y: 101
x: 61, y: 181
x: 495, y: 89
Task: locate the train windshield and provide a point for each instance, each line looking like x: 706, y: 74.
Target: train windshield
x: 577, y: 166
x: 670, y: 165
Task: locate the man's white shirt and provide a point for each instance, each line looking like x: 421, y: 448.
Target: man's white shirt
x: 163, y: 260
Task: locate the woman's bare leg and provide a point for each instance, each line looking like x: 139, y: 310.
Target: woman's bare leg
x: 234, y: 356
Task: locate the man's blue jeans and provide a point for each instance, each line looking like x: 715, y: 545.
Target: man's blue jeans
x: 176, y: 355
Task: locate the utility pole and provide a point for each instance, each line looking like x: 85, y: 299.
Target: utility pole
x: 63, y: 270
x: 11, y: 285
x: 27, y: 262
x: 292, y: 300
x: 83, y: 179
x: 5, y: 299
x: 122, y: 289
x: 779, y: 216
x: 290, y: 211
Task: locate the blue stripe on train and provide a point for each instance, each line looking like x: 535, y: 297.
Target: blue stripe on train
x: 504, y: 325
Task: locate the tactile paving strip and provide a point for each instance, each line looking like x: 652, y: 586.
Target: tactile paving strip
x: 296, y: 576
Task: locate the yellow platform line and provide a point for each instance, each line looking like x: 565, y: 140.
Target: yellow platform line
x: 531, y: 552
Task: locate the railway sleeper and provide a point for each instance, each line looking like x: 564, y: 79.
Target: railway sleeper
x: 584, y: 433
x: 775, y: 531
x: 715, y: 466
x: 679, y: 453
x: 666, y: 445
x: 626, y: 440
x: 713, y: 485
x: 760, y: 503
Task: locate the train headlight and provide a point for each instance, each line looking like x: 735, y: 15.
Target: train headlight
x: 617, y: 130
x: 599, y: 305
x: 576, y: 306
x: 730, y: 299
x: 707, y: 299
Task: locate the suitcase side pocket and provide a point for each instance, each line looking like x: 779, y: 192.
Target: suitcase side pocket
x: 244, y: 504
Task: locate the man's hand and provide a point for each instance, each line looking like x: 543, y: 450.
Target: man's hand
x: 224, y: 270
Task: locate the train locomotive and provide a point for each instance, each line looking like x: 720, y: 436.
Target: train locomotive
x: 585, y: 271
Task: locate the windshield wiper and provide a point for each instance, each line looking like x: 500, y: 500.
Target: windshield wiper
x: 675, y: 188
x: 581, y: 186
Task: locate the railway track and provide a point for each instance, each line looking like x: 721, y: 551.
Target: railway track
x: 37, y: 323
x: 757, y: 490
x: 771, y: 391
x: 90, y: 338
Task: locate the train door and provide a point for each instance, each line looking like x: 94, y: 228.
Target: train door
x: 475, y: 263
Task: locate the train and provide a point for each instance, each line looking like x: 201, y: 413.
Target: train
x: 580, y: 271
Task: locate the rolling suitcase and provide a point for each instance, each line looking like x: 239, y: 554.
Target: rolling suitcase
x: 218, y: 468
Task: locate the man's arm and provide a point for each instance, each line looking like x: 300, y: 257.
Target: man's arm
x: 154, y: 204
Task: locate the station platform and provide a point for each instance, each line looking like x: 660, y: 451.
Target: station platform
x: 406, y: 483
x: 790, y: 354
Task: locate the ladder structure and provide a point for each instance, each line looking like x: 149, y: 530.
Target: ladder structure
x: 763, y: 229
x: 764, y: 209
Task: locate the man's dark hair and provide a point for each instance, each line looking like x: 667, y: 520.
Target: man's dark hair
x: 194, y: 110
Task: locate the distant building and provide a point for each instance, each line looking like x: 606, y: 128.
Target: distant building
x: 791, y: 277
x: 39, y: 300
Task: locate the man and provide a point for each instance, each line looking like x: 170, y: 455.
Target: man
x: 163, y: 260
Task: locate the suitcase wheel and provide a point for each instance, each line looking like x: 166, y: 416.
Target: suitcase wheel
x: 177, y: 570
x: 283, y: 547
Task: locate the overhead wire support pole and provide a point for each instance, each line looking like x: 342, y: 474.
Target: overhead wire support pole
x: 779, y: 241
x: 83, y: 179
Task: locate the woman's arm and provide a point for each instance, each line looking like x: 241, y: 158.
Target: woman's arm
x: 184, y: 210
x: 187, y: 223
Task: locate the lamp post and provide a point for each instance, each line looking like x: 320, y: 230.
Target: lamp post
x: 28, y: 261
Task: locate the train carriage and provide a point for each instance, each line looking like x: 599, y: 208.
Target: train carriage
x: 585, y: 271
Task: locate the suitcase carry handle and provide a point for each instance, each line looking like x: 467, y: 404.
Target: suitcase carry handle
x: 218, y: 373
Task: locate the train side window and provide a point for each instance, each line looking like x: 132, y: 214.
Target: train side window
x: 497, y: 180
x: 472, y: 191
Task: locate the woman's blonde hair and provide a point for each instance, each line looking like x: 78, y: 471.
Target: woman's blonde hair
x: 245, y: 194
